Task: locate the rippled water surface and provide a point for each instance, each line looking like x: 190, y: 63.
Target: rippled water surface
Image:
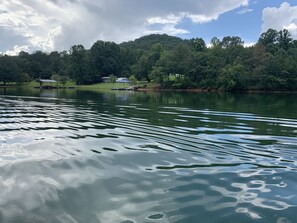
x: 74, y: 156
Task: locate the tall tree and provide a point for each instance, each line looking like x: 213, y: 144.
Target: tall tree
x: 9, y: 70
x: 105, y: 58
x: 284, y: 39
x: 230, y: 41
x: 215, y: 42
x: 198, y: 44
x: 268, y: 37
x: 79, y: 69
x: 147, y: 61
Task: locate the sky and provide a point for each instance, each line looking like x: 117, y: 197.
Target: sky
x: 56, y: 25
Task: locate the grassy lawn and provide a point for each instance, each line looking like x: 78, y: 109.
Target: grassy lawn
x: 109, y: 86
x: 36, y: 84
x: 103, y: 86
x: 92, y: 87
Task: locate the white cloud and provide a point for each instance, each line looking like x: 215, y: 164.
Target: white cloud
x: 16, y: 50
x: 284, y: 17
x: 244, y: 11
x: 170, y: 19
x: 58, y: 24
x: 168, y: 29
x: 203, y: 18
x: 249, y: 44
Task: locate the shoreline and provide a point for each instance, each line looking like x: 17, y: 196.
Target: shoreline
x: 158, y: 89
x: 199, y: 90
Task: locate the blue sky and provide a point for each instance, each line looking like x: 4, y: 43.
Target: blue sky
x: 49, y: 25
x: 247, y: 25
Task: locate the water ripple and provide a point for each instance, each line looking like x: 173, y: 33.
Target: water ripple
x: 104, y: 161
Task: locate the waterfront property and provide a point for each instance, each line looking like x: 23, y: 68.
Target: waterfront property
x: 47, y: 83
x: 106, y: 79
x: 123, y: 80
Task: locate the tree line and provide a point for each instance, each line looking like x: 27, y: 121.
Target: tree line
x: 270, y: 64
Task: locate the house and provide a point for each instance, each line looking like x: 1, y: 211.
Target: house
x: 122, y: 80
x: 47, y: 83
x: 106, y: 79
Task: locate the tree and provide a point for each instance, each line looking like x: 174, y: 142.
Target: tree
x: 22, y: 77
x: 231, y: 41
x: 176, y: 62
x: 215, y: 42
x: 268, y: 37
x: 233, y: 76
x: 9, y: 71
x: 172, y: 62
x: 112, y: 78
x: 198, y: 44
x: 79, y: 66
x: 40, y: 65
x: 63, y: 79
x: 146, y: 42
x: 284, y: 39
x: 105, y: 59
x: 55, y: 62
x: 157, y: 75
x: 55, y: 77
x: 147, y: 61
x: 133, y: 79
x: 128, y: 58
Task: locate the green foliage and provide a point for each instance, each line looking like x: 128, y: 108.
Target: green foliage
x: 79, y: 64
x: 215, y: 42
x: 157, y: 75
x: 22, y: 77
x: 56, y: 77
x: 284, y: 39
x: 59, y: 78
x: 105, y: 59
x: 171, y: 62
x: 273, y: 40
x: 133, y: 79
x: 198, y: 44
x: 231, y: 41
x: 268, y: 37
x: 233, y: 76
x: 146, y: 42
x: 9, y: 71
x: 112, y: 78
x: 63, y: 80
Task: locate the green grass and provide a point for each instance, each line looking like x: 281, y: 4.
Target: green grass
x: 93, y: 87
x: 36, y: 84
x: 102, y: 86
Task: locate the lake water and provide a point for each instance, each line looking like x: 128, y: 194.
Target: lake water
x: 72, y: 156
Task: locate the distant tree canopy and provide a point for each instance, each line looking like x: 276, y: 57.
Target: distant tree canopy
x: 271, y: 64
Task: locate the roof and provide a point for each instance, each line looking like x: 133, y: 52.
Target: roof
x: 47, y: 81
x: 122, y: 80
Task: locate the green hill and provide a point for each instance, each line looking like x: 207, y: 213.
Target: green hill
x: 145, y: 42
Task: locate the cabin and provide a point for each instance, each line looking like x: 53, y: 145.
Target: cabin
x: 106, y: 79
x: 47, y: 83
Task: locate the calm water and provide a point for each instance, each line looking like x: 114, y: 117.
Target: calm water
x: 73, y: 156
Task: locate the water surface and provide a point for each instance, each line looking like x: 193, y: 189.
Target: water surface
x: 72, y: 156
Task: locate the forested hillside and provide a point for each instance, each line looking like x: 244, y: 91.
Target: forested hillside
x: 271, y: 64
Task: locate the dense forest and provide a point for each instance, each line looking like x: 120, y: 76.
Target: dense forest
x: 271, y: 64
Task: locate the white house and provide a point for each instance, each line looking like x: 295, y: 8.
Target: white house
x: 122, y: 80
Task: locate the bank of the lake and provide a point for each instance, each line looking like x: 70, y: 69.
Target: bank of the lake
x: 140, y: 87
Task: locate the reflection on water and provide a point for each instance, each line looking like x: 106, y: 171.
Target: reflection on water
x: 72, y: 156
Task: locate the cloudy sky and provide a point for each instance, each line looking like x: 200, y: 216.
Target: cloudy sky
x: 49, y: 25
